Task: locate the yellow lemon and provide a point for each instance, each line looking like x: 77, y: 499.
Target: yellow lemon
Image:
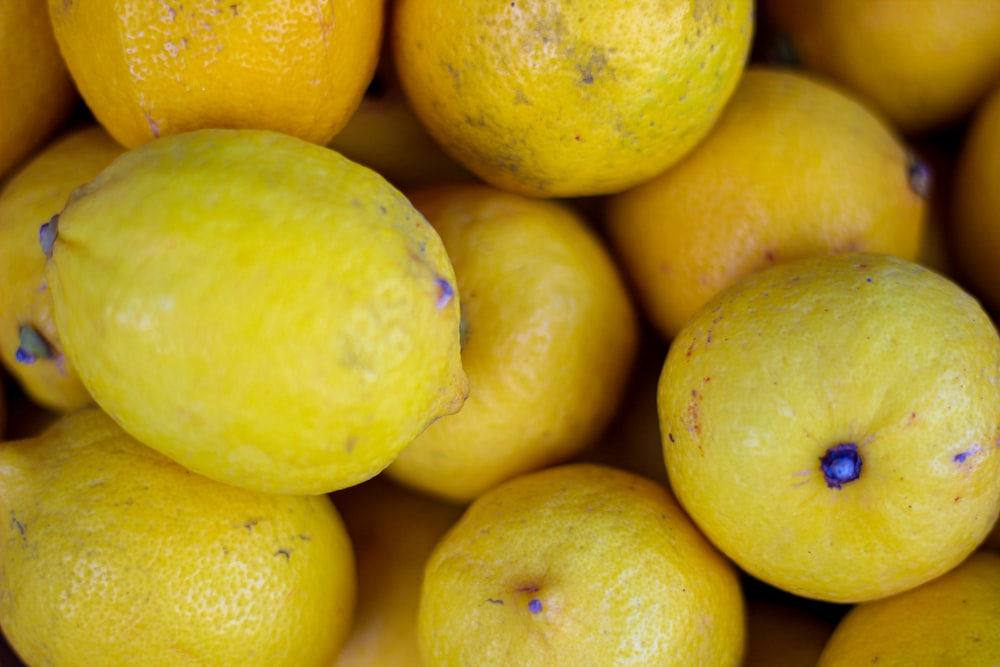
x: 975, y: 204
x: 549, y: 338
x: 952, y: 620
x: 37, y: 91
x: 832, y: 425
x: 563, y: 98
x: 393, y: 531
x: 793, y: 168
x: 579, y: 564
x: 114, y: 555
x: 922, y: 64
x: 258, y: 308
x: 29, y: 340
x: 152, y: 69
x: 385, y: 135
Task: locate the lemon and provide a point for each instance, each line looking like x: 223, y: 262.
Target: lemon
x: 152, y: 69
x: 923, y: 65
x: 831, y: 424
x: 258, y: 308
x: 385, y: 135
x: 114, y: 555
x: 567, y: 98
x: 37, y: 91
x: 579, y: 564
x: 793, y: 168
x: 549, y: 338
x: 393, y: 531
x: 975, y: 204
x: 29, y: 340
x: 952, y: 620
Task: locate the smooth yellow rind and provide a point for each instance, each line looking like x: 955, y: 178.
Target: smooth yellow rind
x: 258, y: 308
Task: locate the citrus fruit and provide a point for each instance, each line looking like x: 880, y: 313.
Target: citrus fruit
x: 923, y: 65
x: 258, y: 308
x: 152, y: 69
x: 385, y: 135
x: 549, y: 338
x: 952, y: 620
x: 393, y: 531
x: 37, y: 91
x: 114, y: 555
x: 578, y: 564
x: 29, y: 340
x: 975, y: 204
x: 793, y: 168
x: 831, y: 424
x: 569, y: 98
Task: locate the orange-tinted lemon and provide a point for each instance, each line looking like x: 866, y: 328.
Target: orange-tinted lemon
x: 152, y: 69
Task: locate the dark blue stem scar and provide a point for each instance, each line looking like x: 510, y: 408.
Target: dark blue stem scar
x: 840, y: 464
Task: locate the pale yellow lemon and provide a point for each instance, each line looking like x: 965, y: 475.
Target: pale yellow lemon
x: 832, y: 425
x: 258, y: 308
x: 975, y: 204
x: 152, y: 69
x: 548, y: 340
x: 579, y: 564
x: 393, y: 531
x: 37, y: 91
x: 29, y: 340
x: 793, y: 168
x: 950, y: 621
x: 923, y: 65
x: 560, y: 98
x: 114, y: 555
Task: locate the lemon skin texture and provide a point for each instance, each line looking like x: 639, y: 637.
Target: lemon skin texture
x: 831, y: 424
x: 579, y: 564
x: 923, y: 65
x: 37, y: 91
x: 794, y: 167
x: 152, y: 69
x: 258, y: 308
x: 114, y: 555
x: 549, y: 340
x: 561, y: 98
x: 37, y: 192
x: 952, y: 620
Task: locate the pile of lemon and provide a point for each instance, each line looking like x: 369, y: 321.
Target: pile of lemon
x: 535, y: 332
